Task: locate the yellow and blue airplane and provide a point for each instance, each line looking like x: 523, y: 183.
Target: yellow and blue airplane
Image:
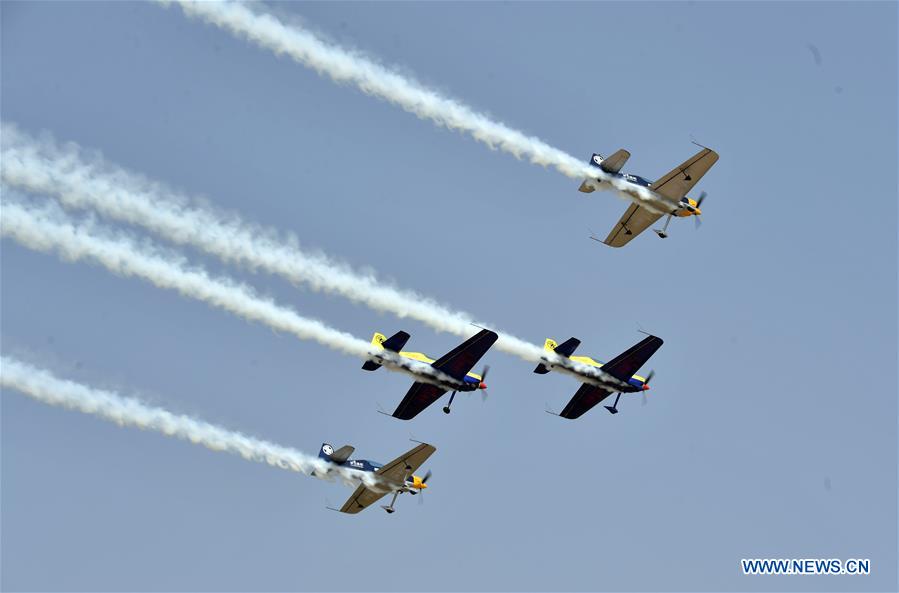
x: 395, y: 477
x: 670, y: 193
x: 600, y: 380
x: 433, y: 378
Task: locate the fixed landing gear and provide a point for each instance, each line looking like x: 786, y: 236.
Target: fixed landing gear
x: 446, y: 408
x: 389, y: 507
x: 663, y: 232
x: 613, y: 409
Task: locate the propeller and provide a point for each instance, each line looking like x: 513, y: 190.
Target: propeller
x: 421, y: 493
x: 484, y: 382
x: 646, y: 382
x: 697, y: 220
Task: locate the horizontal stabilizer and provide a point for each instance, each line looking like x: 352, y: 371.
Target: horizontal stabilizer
x: 613, y: 163
x: 396, y: 342
x: 567, y: 347
x: 339, y: 456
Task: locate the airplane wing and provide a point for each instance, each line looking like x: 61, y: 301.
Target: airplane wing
x: 361, y: 498
x: 461, y: 359
x: 634, y: 221
x: 585, y: 398
x: 682, y: 178
x: 623, y: 366
x: 419, y: 397
x: 395, y: 471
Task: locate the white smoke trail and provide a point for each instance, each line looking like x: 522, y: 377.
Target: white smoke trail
x: 44, y: 230
x: 78, y: 181
x: 126, y: 411
x: 47, y: 230
x: 268, y: 31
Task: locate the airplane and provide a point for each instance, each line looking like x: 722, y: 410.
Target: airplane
x: 451, y: 372
x: 396, y: 477
x: 670, y: 193
x: 600, y: 380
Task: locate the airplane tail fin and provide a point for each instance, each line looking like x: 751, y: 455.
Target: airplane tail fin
x: 611, y: 165
x: 565, y: 349
x: 586, y: 186
x: 326, y: 451
x: 549, y: 346
x: 394, y: 343
x: 378, y: 340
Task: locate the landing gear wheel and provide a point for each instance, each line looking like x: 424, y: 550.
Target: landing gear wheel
x: 613, y: 409
x: 663, y: 232
x: 446, y: 408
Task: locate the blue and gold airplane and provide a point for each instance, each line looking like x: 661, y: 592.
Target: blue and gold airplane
x: 395, y: 477
x: 670, y: 193
x: 433, y: 378
x: 600, y: 380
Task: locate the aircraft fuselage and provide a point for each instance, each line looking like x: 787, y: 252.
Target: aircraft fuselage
x: 589, y: 373
x: 423, y: 372
x: 684, y: 207
x: 364, y: 466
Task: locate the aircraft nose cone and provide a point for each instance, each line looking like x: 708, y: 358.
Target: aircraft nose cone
x: 482, y: 385
x: 698, y: 212
x: 645, y: 387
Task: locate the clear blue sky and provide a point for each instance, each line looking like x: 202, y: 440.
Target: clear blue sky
x: 771, y: 427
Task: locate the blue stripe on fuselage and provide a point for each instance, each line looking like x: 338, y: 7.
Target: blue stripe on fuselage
x: 635, y: 382
x: 367, y: 466
x: 362, y: 465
